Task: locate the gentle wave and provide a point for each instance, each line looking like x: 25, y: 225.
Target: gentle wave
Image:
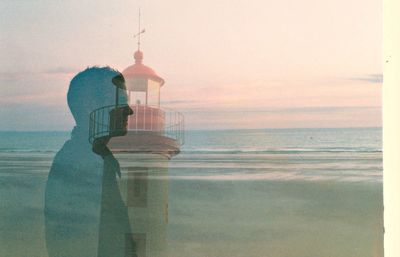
x: 234, y: 151
x: 281, y: 151
x: 13, y: 150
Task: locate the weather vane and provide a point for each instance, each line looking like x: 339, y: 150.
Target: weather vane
x: 139, y: 33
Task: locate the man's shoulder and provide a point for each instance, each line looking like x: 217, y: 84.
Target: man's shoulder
x: 77, y: 155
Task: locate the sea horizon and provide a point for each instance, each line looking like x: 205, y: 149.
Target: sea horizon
x: 219, y: 129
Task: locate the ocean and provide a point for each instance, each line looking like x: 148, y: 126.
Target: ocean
x: 259, y: 192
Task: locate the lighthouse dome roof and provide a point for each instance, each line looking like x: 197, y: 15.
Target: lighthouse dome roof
x: 139, y: 70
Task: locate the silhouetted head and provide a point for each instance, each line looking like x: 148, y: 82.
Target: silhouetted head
x: 89, y: 90
x: 99, y: 91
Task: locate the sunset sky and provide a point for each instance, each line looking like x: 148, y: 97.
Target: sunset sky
x: 226, y: 63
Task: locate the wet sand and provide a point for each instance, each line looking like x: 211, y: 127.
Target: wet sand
x: 218, y: 218
x: 275, y: 218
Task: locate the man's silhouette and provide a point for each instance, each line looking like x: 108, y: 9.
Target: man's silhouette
x: 84, y: 212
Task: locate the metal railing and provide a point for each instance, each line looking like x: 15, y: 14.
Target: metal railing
x: 164, y: 122
x: 175, y: 126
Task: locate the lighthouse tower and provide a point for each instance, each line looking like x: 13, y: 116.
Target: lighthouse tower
x: 154, y: 136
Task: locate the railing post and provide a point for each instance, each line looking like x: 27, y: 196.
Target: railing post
x: 102, y: 118
x: 174, y: 125
x: 136, y: 117
x: 96, y: 127
x: 91, y: 128
x: 183, y: 129
x: 144, y: 117
x: 151, y: 120
x: 180, y: 129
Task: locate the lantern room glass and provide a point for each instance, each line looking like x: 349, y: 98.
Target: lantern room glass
x: 144, y: 92
x: 153, y: 93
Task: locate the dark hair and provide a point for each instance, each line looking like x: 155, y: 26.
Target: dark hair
x: 89, y: 90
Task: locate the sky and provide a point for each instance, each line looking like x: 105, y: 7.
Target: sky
x: 227, y: 64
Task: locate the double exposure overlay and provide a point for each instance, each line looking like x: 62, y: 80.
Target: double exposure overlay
x: 191, y: 128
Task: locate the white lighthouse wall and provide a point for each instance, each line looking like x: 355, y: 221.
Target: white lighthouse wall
x: 144, y: 189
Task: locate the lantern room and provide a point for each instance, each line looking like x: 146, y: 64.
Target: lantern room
x: 150, y: 128
x: 142, y: 83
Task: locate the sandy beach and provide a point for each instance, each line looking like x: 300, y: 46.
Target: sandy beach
x: 227, y: 217
x: 222, y: 201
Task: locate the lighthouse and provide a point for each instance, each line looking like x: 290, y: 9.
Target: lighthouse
x: 152, y: 129
x: 154, y: 135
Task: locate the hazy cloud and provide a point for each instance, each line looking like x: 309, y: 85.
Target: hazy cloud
x: 371, y: 78
x: 176, y: 102
x: 14, y: 75
x: 300, y: 109
x: 18, y: 75
x: 325, y: 109
x: 61, y: 70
